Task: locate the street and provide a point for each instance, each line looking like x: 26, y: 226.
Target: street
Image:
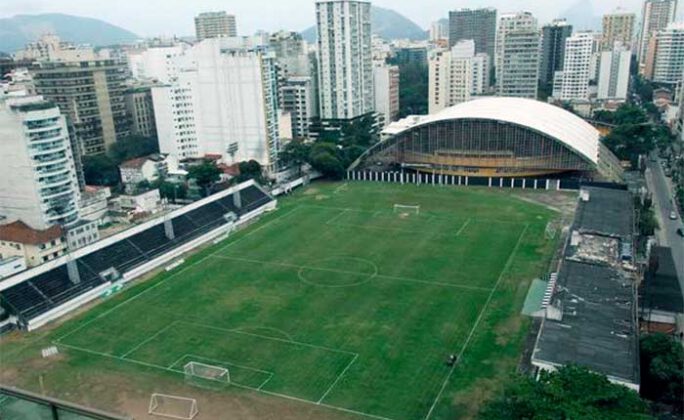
x: 667, y: 235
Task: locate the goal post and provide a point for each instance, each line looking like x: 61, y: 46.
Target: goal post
x: 173, y: 406
x: 204, y: 371
x: 406, y: 209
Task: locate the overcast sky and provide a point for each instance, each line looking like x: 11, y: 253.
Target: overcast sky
x: 168, y: 17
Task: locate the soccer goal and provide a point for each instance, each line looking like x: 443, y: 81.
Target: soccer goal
x: 203, y: 371
x: 173, y: 406
x: 404, y: 209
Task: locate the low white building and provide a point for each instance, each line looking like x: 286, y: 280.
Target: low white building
x: 83, y: 233
x: 11, y: 266
x: 149, y: 168
x: 148, y: 202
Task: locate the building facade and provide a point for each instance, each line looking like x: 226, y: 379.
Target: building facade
x: 553, y: 49
x: 39, y: 184
x: 668, y: 60
x: 140, y: 111
x: 298, y: 97
x: 214, y: 25
x: 386, y: 92
x: 510, y: 22
x: 519, y: 69
x: 613, y: 79
x: 574, y: 80
x: 36, y: 246
x: 617, y: 27
x: 291, y: 52
x: 455, y: 75
x: 439, y: 30
x: 221, y: 99
x: 91, y: 95
x: 655, y: 15
x: 478, y: 25
x: 345, y: 68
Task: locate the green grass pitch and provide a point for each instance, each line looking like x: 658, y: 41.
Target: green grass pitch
x: 337, y: 300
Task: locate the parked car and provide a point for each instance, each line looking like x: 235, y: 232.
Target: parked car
x: 673, y: 215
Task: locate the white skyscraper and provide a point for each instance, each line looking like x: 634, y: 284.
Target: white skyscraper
x: 668, y: 63
x: 220, y: 98
x: 655, y: 15
x: 519, y: 66
x: 345, y: 69
x: 511, y: 22
x: 39, y: 183
x: 613, y: 79
x: 386, y: 91
x: 456, y: 75
x: 576, y: 74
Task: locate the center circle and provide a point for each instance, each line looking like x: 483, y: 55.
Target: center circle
x: 338, y: 271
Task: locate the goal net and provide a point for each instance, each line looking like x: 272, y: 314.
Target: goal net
x: 173, y: 407
x: 201, y: 370
x: 406, y: 209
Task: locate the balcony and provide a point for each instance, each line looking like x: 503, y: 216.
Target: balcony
x: 50, y: 193
x: 52, y: 148
x: 55, y: 181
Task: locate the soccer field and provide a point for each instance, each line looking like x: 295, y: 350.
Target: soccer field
x: 338, y: 300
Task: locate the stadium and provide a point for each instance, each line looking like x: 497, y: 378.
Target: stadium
x: 495, y: 137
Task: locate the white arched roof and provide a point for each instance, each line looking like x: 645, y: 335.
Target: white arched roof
x: 550, y: 120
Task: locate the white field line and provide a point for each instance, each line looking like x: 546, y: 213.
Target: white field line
x: 509, y: 261
x: 182, y: 270
x: 465, y: 225
x: 274, y: 394
x: 237, y: 331
x: 148, y: 339
x: 337, y: 379
x: 337, y: 216
x: 333, y: 270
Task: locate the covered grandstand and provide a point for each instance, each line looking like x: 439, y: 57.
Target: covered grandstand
x: 39, y: 295
x: 494, y: 137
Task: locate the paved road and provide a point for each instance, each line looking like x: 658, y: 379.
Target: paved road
x: 668, y: 228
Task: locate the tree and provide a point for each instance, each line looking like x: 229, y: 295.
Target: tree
x: 100, y: 170
x: 205, y: 175
x: 171, y: 190
x: 662, y: 370
x: 326, y: 158
x: 295, y: 154
x: 570, y: 393
x: 250, y: 170
x: 413, y: 88
x: 133, y: 147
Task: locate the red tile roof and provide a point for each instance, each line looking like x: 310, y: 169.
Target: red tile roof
x: 22, y: 233
x: 136, y: 163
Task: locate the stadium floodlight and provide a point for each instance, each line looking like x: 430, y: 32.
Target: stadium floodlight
x: 203, y: 371
x: 173, y: 406
x: 406, y: 209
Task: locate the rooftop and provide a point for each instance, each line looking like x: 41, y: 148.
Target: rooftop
x: 22, y: 233
x: 598, y: 326
x: 608, y: 212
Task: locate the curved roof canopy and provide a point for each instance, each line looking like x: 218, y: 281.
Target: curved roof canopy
x: 547, y: 119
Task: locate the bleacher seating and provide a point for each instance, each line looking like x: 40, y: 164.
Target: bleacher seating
x: 53, y: 288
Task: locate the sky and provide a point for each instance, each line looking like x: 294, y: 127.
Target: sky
x: 175, y: 17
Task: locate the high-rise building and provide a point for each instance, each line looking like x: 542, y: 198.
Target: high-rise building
x: 386, y: 91
x: 617, y: 27
x: 298, y: 97
x: 345, y: 68
x: 511, y: 22
x: 439, y: 30
x: 553, y: 49
x: 39, y: 184
x: 574, y: 80
x: 140, y: 110
x: 290, y: 50
x: 221, y: 100
x: 668, y: 63
x: 455, y: 75
x: 478, y: 25
x: 613, y: 79
x: 519, y: 73
x: 214, y: 25
x: 90, y: 94
x: 655, y: 15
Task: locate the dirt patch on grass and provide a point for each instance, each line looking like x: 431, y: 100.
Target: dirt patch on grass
x: 320, y: 197
x: 508, y: 330
x: 467, y: 405
x: 311, y: 191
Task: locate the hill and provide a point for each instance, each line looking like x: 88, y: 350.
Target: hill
x: 16, y: 31
x: 386, y: 23
x: 582, y: 16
